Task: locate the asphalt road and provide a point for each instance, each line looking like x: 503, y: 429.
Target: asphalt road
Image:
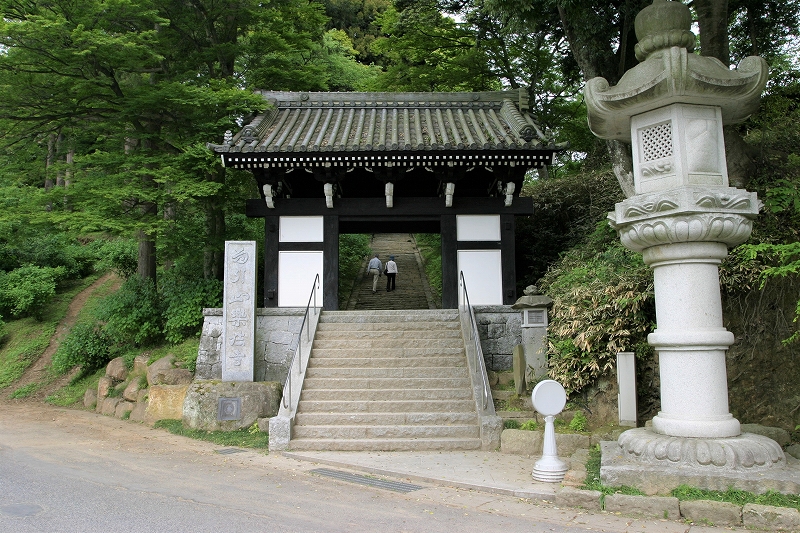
x: 67, y: 471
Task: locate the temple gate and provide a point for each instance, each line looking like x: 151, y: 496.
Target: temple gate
x: 447, y: 163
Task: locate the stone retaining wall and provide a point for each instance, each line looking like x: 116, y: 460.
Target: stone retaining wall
x: 500, y: 329
x: 277, y: 332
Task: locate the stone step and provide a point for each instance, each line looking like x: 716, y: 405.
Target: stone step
x: 381, y: 316
x: 401, y: 353
x: 376, y: 344
x: 401, y: 334
x: 337, y: 405
x: 383, y: 384
x: 388, y: 445
x: 386, y: 432
x: 375, y: 395
x: 443, y: 418
x: 409, y: 325
x: 437, y: 372
x: 367, y: 359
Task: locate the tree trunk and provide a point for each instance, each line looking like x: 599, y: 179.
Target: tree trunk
x: 622, y: 164
x: 214, y: 252
x: 712, y: 17
x: 146, y: 260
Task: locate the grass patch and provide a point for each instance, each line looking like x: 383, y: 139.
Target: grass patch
x: 687, y: 493
x: 738, y: 497
x: 430, y: 250
x: 243, y: 438
x: 593, y: 477
x: 185, y: 353
x: 73, y: 393
x: 24, y: 392
x: 27, y: 338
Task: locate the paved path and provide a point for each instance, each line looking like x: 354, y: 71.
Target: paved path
x: 412, y: 290
x: 67, y: 470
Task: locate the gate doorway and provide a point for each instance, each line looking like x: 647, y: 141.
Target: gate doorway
x: 412, y: 287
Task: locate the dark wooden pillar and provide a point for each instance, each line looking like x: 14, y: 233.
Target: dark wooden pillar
x: 271, y: 249
x: 330, y: 263
x: 449, y: 262
x: 507, y: 258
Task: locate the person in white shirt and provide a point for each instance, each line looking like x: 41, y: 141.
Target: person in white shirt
x: 391, y: 273
x: 375, y: 267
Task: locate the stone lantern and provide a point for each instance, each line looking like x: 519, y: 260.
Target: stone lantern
x: 683, y: 218
x: 534, y: 306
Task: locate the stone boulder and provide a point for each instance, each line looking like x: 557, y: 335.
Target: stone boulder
x: 90, y: 399
x: 165, y: 402
x: 172, y: 376
x: 779, y: 435
x: 140, y: 364
x: 131, y: 392
x: 256, y: 399
x: 104, y: 385
x: 117, y: 370
x: 159, y: 367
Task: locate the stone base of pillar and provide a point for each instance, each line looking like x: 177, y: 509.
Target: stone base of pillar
x: 656, y: 463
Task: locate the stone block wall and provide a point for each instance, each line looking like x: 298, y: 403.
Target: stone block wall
x: 500, y: 329
x: 277, y: 333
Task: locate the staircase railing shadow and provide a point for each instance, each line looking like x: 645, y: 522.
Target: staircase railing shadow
x: 491, y: 424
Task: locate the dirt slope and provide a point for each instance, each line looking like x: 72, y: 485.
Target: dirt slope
x: 37, y: 372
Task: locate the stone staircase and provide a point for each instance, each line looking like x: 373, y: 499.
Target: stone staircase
x: 387, y: 380
x: 412, y: 290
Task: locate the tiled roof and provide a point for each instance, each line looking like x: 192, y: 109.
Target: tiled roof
x: 398, y: 123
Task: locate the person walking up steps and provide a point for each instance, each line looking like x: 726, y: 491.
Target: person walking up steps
x: 391, y: 273
x: 375, y: 267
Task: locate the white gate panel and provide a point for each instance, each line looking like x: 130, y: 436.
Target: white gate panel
x: 478, y: 227
x: 301, y: 229
x: 483, y: 274
x: 296, y: 273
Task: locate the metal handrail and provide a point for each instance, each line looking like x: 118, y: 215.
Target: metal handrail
x: 287, y: 386
x: 480, y: 365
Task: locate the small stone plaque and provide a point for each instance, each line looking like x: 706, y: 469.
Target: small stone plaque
x: 229, y: 409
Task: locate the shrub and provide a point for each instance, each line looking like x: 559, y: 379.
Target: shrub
x: 529, y: 425
x: 510, y: 424
x: 184, y: 299
x: 120, y: 256
x: 86, y: 346
x: 26, y: 290
x: 132, y: 315
x: 579, y: 422
x: 602, y: 304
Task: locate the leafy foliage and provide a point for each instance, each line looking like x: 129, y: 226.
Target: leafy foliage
x: 132, y: 315
x: 430, y: 249
x: 183, y: 298
x: 602, y: 304
x: 353, y: 248
x: 579, y: 422
x: 25, y: 291
x: 85, y: 346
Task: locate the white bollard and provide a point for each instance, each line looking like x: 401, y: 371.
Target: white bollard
x: 549, y: 399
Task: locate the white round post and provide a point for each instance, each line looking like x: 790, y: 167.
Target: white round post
x: 549, y: 399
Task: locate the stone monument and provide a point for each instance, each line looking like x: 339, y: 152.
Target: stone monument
x: 239, y: 311
x: 683, y: 217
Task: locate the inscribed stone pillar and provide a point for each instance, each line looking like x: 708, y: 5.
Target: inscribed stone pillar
x: 239, y: 311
